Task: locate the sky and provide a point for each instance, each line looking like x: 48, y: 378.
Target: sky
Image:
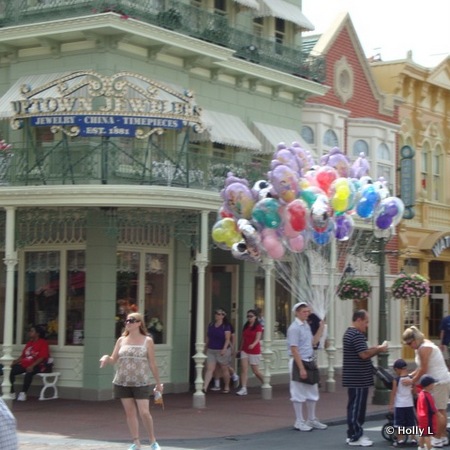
x: 390, y: 27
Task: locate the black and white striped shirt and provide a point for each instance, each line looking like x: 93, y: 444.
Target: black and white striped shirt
x: 356, y: 372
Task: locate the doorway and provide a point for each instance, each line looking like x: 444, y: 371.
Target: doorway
x: 439, y: 309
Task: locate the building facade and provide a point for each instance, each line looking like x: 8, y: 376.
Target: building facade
x: 424, y: 121
x: 124, y: 122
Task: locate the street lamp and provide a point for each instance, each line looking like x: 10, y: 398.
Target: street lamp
x: 380, y: 238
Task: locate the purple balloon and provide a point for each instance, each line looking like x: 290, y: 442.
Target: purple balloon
x: 383, y: 221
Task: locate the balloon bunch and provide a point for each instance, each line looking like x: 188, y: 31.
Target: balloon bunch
x: 300, y: 201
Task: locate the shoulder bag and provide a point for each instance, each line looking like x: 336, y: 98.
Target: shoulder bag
x: 312, y: 371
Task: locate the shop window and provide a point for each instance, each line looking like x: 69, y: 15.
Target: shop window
x: 42, y: 284
x: 282, y: 305
x: 75, y: 297
x: 155, y: 296
x: 142, y: 276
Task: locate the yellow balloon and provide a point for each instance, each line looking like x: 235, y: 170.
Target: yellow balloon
x: 339, y: 205
x: 218, y: 234
x: 228, y: 223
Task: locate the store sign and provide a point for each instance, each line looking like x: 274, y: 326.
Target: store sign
x: 89, y: 104
x: 407, y: 180
x: 440, y: 245
x: 113, y: 126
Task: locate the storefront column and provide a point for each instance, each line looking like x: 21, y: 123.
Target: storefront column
x: 201, y: 261
x: 10, y: 262
x: 268, y: 266
x: 101, y: 301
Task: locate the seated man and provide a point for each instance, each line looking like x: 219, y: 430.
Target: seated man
x: 32, y: 360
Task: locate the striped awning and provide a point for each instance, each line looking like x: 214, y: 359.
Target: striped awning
x: 284, y: 10
x: 271, y: 136
x: 250, y: 3
x: 228, y: 129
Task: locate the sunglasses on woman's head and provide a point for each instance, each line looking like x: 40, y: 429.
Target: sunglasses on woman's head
x: 132, y: 320
x: 219, y: 313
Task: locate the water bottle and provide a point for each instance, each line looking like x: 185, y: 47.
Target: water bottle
x: 157, y: 394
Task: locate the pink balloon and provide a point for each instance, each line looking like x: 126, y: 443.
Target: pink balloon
x: 297, y: 244
x: 288, y: 231
x: 276, y: 252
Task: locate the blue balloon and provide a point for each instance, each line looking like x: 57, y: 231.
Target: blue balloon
x: 364, y: 208
x: 321, y: 238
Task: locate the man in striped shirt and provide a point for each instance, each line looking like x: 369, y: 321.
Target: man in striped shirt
x: 357, y: 376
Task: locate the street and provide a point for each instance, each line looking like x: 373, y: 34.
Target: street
x: 287, y: 438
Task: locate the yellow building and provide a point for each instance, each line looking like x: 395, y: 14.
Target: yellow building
x: 425, y: 128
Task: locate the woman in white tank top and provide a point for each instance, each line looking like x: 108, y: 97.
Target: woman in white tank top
x: 430, y: 360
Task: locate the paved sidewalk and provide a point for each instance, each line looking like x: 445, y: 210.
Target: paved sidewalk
x: 74, y: 424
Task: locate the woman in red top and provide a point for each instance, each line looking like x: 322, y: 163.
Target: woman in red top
x: 32, y: 360
x: 250, y: 349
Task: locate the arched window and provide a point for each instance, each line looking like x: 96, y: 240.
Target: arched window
x: 307, y: 134
x: 330, y: 139
x: 383, y: 153
x: 361, y: 146
x: 437, y: 174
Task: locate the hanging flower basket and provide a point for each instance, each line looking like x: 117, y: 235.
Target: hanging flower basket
x: 410, y: 286
x: 354, y: 289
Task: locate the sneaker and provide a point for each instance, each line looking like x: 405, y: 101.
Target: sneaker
x: 316, y: 424
x: 445, y: 441
x: 242, y: 391
x: 302, y: 425
x: 437, y: 442
x: 134, y: 447
x: 215, y: 388
x: 155, y: 446
x: 22, y: 397
x: 236, y: 381
x: 361, y: 442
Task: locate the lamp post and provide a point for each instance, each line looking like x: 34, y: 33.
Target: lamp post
x: 381, y: 237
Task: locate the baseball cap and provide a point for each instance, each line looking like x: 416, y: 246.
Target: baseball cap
x: 426, y: 380
x: 297, y: 305
x: 400, y: 364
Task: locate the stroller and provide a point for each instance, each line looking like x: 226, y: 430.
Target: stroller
x: 387, y: 379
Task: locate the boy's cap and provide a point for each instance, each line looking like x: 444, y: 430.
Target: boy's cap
x: 426, y: 380
x: 400, y: 364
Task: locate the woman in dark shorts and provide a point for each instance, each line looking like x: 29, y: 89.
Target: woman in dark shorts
x: 134, y: 354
